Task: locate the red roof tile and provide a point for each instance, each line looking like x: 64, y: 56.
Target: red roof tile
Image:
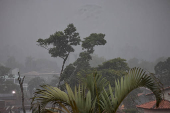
x: 165, y: 104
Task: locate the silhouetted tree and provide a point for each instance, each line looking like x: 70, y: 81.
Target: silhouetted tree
x: 60, y: 44
x: 82, y: 62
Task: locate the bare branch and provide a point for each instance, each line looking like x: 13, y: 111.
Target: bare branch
x: 22, y: 90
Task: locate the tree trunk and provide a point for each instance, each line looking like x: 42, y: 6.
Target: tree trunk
x: 62, y: 69
x: 61, y: 74
x: 22, y: 91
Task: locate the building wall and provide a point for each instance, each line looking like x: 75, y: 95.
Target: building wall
x: 166, y: 96
x: 156, y: 111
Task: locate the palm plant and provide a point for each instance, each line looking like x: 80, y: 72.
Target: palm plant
x: 95, y: 94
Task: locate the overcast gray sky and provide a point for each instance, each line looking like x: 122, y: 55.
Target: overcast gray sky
x: 133, y: 28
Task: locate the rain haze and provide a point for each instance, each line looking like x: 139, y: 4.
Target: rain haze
x: 128, y: 33
x: 133, y: 28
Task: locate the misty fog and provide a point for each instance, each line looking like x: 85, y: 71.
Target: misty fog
x: 133, y: 28
x: 128, y: 33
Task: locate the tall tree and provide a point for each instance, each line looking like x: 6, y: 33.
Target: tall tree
x: 60, y: 44
x: 116, y: 64
x: 93, y: 40
x: 82, y: 63
x: 113, y: 69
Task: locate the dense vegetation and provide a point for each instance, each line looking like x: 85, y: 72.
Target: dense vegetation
x: 94, y: 94
x: 91, y: 83
x: 92, y: 91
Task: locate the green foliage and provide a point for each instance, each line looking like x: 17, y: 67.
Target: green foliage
x: 113, y: 69
x: 84, y: 58
x: 81, y: 99
x: 82, y: 63
x: 68, y: 70
x: 93, y: 40
x: 111, y: 74
x: 92, y: 95
x: 62, y: 42
x: 163, y: 70
x: 94, y: 82
x: 116, y: 64
x: 135, y: 78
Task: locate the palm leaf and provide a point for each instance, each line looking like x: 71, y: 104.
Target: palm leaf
x: 135, y: 78
x: 94, y: 83
x: 78, y: 100
x: 91, y: 96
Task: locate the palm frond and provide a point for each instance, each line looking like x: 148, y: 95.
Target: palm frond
x: 92, y: 96
x: 94, y: 83
x: 135, y: 78
x: 78, y: 100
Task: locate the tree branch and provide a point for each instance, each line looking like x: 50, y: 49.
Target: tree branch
x: 43, y: 46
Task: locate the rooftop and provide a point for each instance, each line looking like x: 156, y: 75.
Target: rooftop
x: 164, y: 104
x: 162, y: 89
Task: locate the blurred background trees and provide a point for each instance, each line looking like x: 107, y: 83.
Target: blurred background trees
x: 162, y: 70
x: 34, y: 84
